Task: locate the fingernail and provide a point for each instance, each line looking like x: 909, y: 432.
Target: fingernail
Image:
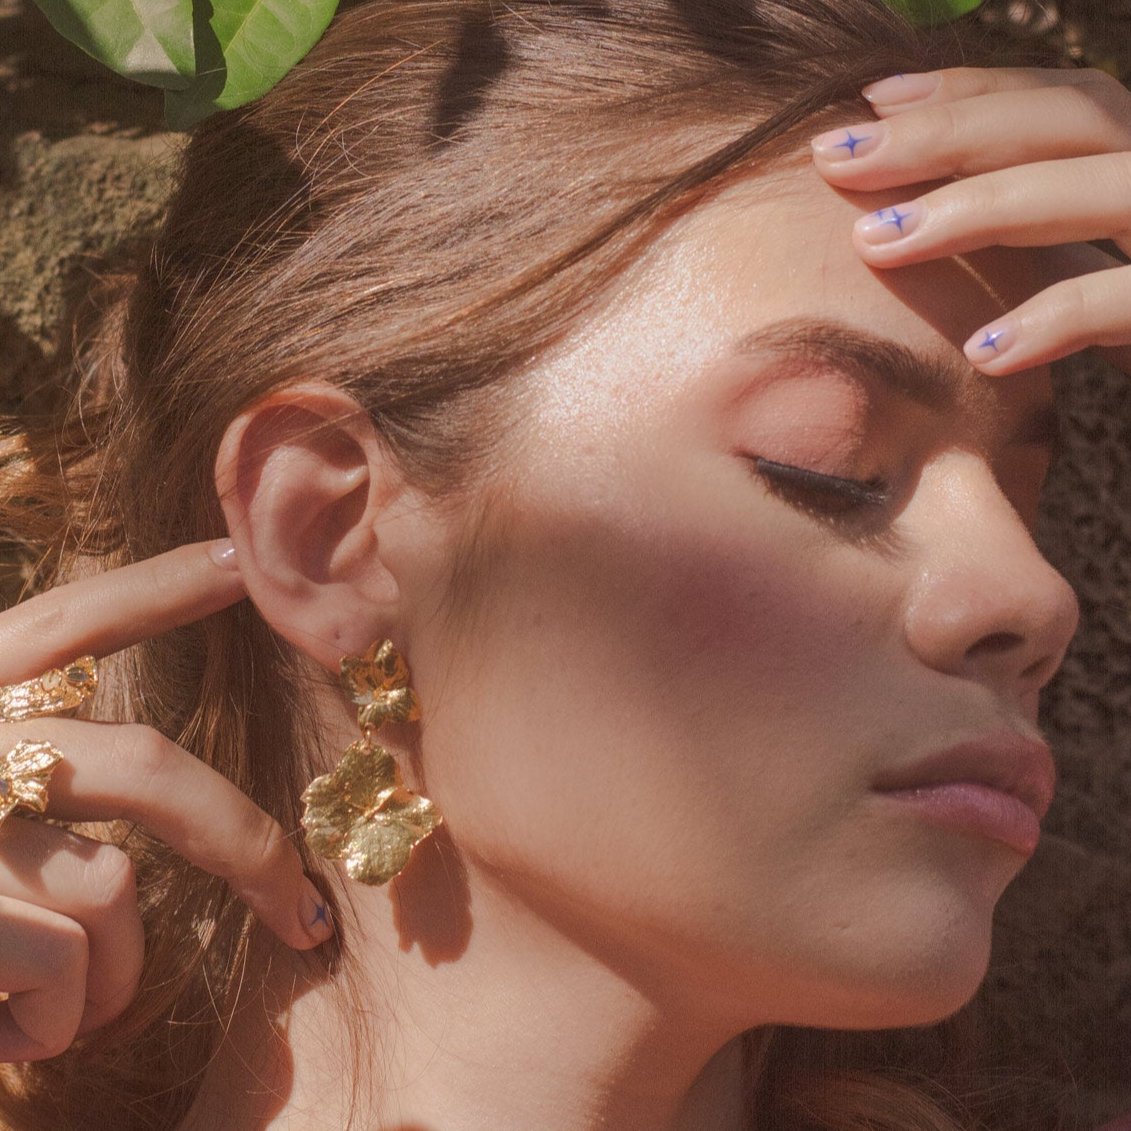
x: 315, y: 913
x: 223, y: 553
x: 846, y: 145
x: 889, y: 224
x: 991, y: 342
x: 899, y: 89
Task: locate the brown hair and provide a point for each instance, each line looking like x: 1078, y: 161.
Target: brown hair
x: 439, y: 192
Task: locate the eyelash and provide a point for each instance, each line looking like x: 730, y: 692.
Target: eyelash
x: 831, y: 495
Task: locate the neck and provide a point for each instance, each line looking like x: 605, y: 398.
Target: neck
x: 483, y: 1015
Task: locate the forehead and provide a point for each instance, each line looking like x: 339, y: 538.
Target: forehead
x: 777, y: 248
x: 788, y: 234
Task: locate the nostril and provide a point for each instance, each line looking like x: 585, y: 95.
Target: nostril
x: 994, y: 644
x: 1013, y: 648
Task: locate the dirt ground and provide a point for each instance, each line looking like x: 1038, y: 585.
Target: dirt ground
x: 84, y: 161
x: 85, y: 164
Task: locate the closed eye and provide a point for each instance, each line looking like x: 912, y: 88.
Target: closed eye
x: 830, y: 495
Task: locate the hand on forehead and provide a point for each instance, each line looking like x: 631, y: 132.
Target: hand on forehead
x: 1019, y: 158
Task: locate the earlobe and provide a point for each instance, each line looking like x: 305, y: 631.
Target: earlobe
x: 303, y: 481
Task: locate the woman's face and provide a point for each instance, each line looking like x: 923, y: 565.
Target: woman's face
x: 687, y: 665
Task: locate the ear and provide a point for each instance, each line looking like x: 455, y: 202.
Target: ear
x: 306, y: 485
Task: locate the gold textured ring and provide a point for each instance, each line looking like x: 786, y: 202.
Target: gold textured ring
x: 60, y: 691
x: 24, y: 773
x: 26, y: 769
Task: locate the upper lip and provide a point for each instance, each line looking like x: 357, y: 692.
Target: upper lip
x: 1007, y: 761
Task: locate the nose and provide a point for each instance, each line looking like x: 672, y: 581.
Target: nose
x: 985, y: 605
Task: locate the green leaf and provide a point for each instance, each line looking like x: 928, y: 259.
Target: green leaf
x: 930, y: 12
x: 150, y: 41
x: 247, y: 47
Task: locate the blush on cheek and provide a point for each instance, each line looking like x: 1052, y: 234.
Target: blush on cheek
x: 775, y: 612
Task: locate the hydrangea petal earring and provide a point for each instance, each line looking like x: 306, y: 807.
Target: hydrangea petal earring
x: 361, y: 812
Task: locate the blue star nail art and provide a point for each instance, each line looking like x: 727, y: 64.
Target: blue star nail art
x: 850, y: 143
x: 991, y: 340
x: 895, y: 219
x: 320, y: 915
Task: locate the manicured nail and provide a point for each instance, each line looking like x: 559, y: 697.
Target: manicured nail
x: 991, y: 342
x: 845, y: 145
x: 223, y: 553
x: 315, y: 914
x: 889, y: 224
x: 902, y: 88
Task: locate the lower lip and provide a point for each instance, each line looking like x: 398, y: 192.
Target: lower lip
x: 979, y: 810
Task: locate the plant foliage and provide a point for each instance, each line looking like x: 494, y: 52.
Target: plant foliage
x: 206, y: 55
x: 933, y: 11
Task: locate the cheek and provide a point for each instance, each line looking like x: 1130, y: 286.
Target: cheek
x: 761, y: 616
x: 734, y: 588
x: 678, y: 648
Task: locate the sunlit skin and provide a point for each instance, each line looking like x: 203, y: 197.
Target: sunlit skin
x: 655, y: 711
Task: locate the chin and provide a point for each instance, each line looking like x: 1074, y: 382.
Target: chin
x: 883, y: 972
x: 922, y: 956
x: 930, y: 995
x: 927, y: 1006
x: 920, y: 983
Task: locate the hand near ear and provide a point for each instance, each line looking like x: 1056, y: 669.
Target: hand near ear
x: 71, y: 945
x: 323, y: 526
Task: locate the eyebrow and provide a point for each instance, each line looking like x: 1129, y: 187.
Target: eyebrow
x: 929, y: 378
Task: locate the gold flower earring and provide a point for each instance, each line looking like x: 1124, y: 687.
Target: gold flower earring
x: 361, y: 812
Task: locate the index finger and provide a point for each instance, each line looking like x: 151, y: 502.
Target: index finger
x: 110, y: 611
